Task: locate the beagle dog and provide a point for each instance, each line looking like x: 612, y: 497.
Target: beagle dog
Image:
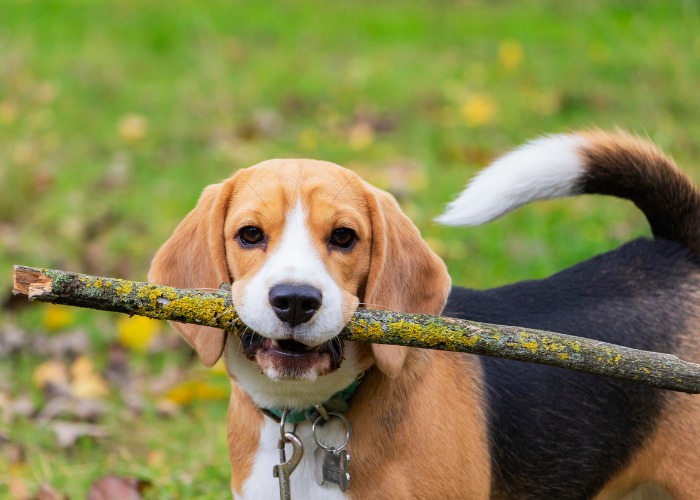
x: 305, y: 243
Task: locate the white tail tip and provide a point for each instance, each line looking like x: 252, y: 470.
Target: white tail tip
x: 548, y: 167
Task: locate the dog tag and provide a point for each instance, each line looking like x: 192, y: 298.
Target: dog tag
x: 332, y: 467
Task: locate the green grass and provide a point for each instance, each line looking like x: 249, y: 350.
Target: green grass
x: 224, y: 85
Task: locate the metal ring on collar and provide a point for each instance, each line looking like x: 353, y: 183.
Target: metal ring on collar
x: 348, y: 430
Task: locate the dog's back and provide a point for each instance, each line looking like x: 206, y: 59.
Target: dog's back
x: 560, y: 434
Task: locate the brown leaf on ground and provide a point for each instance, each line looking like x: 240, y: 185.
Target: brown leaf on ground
x: 46, y: 492
x: 68, y: 433
x: 50, y: 372
x: 69, y: 344
x: 17, y: 488
x: 21, y: 406
x: 114, y: 487
x: 133, y: 128
x: 117, y: 371
x: 164, y: 381
x: 87, y: 410
x: 12, y: 339
x: 86, y: 383
x: 14, y: 453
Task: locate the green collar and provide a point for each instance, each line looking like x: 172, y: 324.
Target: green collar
x: 340, y: 402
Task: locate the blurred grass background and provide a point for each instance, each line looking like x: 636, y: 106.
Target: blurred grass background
x: 115, y: 115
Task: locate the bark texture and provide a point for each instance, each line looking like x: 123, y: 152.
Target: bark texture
x: 215, y: 308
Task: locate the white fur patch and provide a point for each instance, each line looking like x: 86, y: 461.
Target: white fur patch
x: 548, y: 167
x: 261, y: 485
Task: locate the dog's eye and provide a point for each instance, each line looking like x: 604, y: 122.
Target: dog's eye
x: 251, y: 235
x: 343, y: 237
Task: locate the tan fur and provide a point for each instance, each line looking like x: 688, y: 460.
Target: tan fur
x: 657, y: 463
x: 406, y: 450
x: 244, y: 422
x: 621, y: 140
x: 655, y: 469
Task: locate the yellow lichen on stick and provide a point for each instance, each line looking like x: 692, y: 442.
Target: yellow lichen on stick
x: 215, y: 309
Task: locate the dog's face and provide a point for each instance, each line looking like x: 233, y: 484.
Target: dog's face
x: 303, y: 243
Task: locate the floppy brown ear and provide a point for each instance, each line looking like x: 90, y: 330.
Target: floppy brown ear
x: 405, y: 275
x: 195, y: 257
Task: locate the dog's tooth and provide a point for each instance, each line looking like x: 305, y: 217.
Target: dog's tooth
x: 274, y: 343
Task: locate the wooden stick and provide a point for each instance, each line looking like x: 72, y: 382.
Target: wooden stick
x: 215, y: 308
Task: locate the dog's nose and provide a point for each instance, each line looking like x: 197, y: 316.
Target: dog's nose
x: 295, y: 304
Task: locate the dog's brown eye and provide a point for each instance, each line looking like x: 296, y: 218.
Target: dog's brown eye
x: 251, y: 235
x: 343, y: 237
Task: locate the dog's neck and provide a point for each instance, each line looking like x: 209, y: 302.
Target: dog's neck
x: 389, y: 417
x: 338, y: 402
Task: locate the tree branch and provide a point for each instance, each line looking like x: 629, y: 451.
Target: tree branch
x: 215, y: 308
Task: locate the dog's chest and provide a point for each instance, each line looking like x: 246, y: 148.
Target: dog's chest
x: 262, y: 485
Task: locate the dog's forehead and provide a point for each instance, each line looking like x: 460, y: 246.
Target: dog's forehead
x: 312, y: 182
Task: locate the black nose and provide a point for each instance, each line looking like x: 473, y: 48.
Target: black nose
x: 295, y: 304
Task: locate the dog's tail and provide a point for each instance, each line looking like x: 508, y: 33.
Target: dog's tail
x: 592, y: 161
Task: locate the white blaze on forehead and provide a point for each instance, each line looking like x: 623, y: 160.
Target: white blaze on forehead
x: 294, y: 260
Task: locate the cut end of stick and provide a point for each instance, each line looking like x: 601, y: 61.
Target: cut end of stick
x: 31, y: 282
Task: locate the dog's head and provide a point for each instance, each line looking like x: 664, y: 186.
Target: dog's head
x: 303, y: 244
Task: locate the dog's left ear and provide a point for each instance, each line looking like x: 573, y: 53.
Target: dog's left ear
x: 405, y: 275
x: 195, y: 257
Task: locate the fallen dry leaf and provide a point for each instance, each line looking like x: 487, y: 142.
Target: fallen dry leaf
x: 17, y: 488
x: 69, y: 344
x: 360, y: 136
x: 113, y: 487
x: 50, y: 372
x: 46, y: 492
x: 405, y: 178
x: 89, y: 386
x: 133, y: 128
x: 21, y: 406
x: 12, y: 339
x: 87, y: 410
x: 15, y: 455
x: 167, y: 408
x: 165, y: 380
x: 117, y: 371
x: 85, y: 382
x: 68, y: 433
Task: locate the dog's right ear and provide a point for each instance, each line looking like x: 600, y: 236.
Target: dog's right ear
x: 195, y: 257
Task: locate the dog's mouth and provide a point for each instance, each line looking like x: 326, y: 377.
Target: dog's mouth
x: 291, y: 359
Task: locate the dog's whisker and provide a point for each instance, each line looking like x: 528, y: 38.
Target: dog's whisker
x: 225, y: 311
x: 338, y: 193
x: 370, y: 305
